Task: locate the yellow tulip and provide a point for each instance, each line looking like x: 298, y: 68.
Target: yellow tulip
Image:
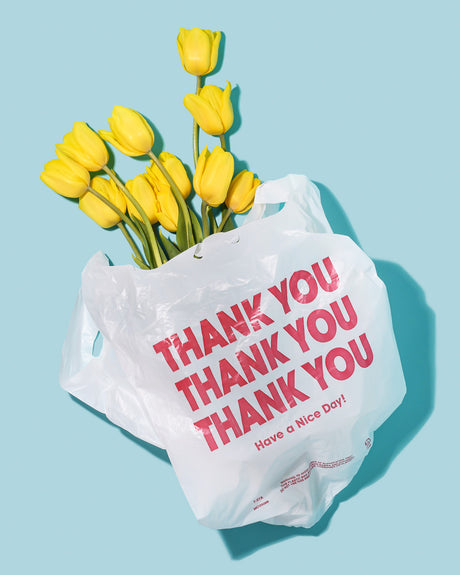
x: 84, y: 146
x: 176, y: 170
x: 96, y: 209
x: 66, y: 177
x: 198, y: 50
x: 213, y: 175
x: 167, y: 210
x: 211, y: 109
x: 143, y: 192
x: 241, y: 193
x: 130, y: 132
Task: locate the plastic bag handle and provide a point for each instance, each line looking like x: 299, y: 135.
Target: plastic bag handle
x: 292, y: 192
x: 97, y: 380
x: 82, y: 374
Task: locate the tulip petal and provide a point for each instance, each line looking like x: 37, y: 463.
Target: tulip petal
x: 167, y: 211
x: 143, y: 192
x: 215, y: 49
x: 180, y: 44
x: 197, y: 52
x: 131, y: 130
x: 218, y: 173
x: 176, y: 170
x: 227, y: 108
x: 91, y: 144
x: 109, y: 137
x: 93, y: 207
x: 241, y: 193
x: 66, y: 177
x: 84, y: 146
x: 70, y: 148
x: 200, y: 165
x: 213, y: 95
x: 206, y: 117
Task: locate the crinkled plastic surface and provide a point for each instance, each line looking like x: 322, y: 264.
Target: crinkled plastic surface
x: 262, y: 360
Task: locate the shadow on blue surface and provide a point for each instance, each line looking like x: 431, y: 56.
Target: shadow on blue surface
x: 414, y: 327
x: 160, y: 453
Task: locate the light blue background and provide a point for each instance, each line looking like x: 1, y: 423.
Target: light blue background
x: 362, y: 97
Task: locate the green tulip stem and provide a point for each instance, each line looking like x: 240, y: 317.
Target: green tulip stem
x: 124, y: 218
x: 226, y: 214
x: 223, y: 144
x: 148, y: 226
x: 205, y: 218
x: 212, y: 219
x: 179, y: 198
x: 196, y: 128
x: 131, y: 242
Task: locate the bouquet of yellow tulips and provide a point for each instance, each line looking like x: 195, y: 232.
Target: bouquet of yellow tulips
x: 157, y: 199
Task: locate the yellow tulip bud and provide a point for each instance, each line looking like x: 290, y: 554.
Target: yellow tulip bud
x: 176, y: 170
x: 241, y: 193
x: 213, y: 175
x: 211, y: 109
x: 167, y: 210
x: 96, y: 209
x: 198, y: 50
x: 130, y: 132
x: 66, y: 177
x: 84, y: 146
x: 145, y: 195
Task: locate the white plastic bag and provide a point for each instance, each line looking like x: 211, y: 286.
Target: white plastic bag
x: 262, y: 360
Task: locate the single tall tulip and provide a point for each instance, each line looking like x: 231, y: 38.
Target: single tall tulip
x: 143, y: 192
x: 176, y: 170
x: 241, y: 193
x: 96, y: 209
x: 66, y: 177
x: 84, y: 146
x: 213, y: 175
x: 198, y: 50
x: 129, y: 132
x: 211, y: 109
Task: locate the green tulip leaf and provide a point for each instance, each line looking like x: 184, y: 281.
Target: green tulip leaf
x: 139, y: 262
x: 145, y: 242
x: 169, y: 247
x: 182, y: 239
x: 229, y: 225
x: 212, y: 220
x: 163, y: 256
